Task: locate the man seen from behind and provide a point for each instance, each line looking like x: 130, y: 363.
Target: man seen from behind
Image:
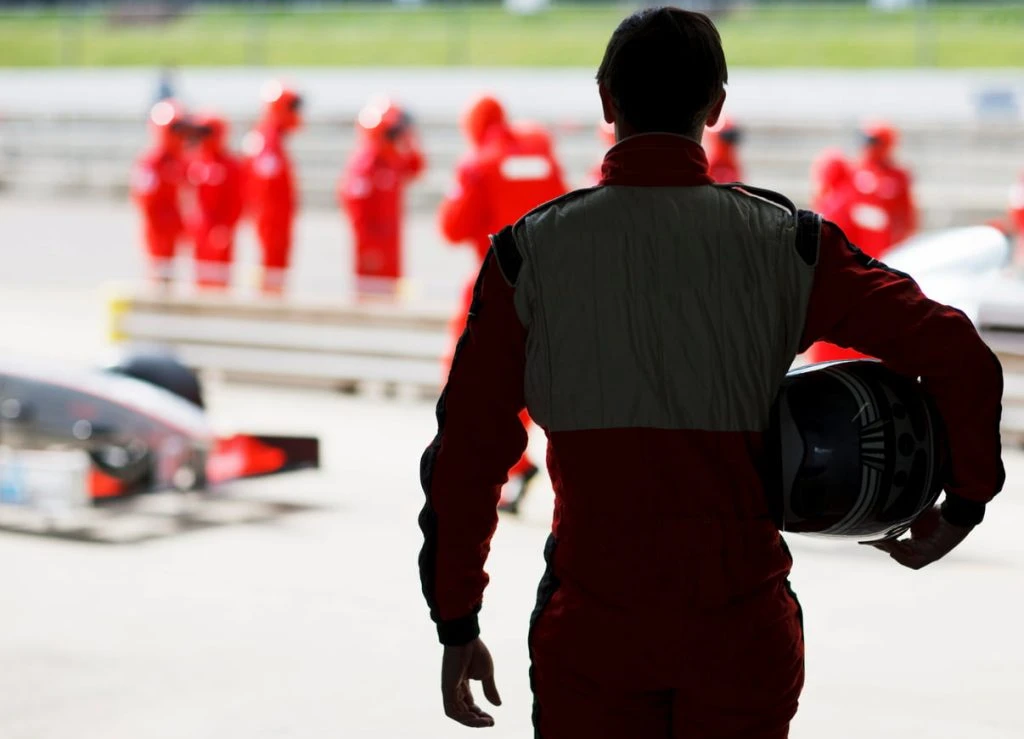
x: 646, y: 325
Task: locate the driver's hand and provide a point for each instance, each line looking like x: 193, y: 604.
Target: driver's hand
x: 931, y: 539
x: 459, y: 665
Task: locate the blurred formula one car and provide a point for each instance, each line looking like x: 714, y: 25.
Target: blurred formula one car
x: 958, y: 266
x: 141, y: 422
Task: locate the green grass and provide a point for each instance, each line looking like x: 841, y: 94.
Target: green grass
x: 487, y: 36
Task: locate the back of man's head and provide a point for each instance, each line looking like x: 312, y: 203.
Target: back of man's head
x: 665, y: 70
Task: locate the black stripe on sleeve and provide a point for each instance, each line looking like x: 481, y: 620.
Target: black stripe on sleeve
x: 510, y: 261
x: 466, y: 628
x: 549, y: 585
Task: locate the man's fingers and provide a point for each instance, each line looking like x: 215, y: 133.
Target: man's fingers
x: 887, y: 546
x: 474, y: 720
x: 491, y: 690
x: 916, y: 554
x: 460, y: 707
x: 467, y: 717
x: 909, y: 558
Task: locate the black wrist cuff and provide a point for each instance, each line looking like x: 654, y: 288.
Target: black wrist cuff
x: 961, y: 511
x: 459, y: 631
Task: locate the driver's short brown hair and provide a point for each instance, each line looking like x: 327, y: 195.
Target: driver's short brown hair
x: 665, y: 69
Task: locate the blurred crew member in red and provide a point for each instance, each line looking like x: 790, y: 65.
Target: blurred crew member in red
x: 606, y: 134
x: 155, y: 183
x: 886, y: 209
x: 270, y: 193
x: 509, y: 170
x: 370, y: 191
x: 722, y: 143
x: 862, y: 214
x: 216, y: 176
x: 1017, y: 216
x: 648, y: 324
x: 832, y: 182
x: 837, y: 200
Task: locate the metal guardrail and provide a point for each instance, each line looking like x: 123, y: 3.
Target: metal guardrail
x: 392, y: 348
x: 353, y: 347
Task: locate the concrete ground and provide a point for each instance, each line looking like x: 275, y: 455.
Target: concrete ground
x: 313, y: 625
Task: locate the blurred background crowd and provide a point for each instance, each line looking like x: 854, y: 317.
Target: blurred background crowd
x: 829, y: 98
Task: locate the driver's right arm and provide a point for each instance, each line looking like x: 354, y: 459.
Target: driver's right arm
x: 859, y: 302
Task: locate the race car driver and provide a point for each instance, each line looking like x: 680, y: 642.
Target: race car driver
x: 270, y: 196
x: 155, y: 182
x: 509, y: 169
x: 370, y: 192
x: 613, y: 317
x: 722, y: 143
x: 216, y: 176
x: 887, y: 205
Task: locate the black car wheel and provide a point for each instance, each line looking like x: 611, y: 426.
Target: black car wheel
x: 129, y: 463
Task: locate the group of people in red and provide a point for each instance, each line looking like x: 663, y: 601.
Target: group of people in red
x: 509, y: 169
x: 189, y: 186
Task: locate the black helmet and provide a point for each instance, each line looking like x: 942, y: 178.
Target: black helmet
x: 855, y: 450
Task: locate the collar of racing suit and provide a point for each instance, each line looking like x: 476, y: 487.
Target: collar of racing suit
x: 656, y: 160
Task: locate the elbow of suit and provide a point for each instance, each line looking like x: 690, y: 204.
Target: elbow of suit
x: 975, y: 354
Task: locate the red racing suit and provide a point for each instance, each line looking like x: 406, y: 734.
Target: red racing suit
x: 1017, y: 216
x: 647, y: 323
x: 271, y: 200
x: 887, y: 187
x: 217, y: 179
x: 514, y: 171
x: 155, y: 182
x: 370, y: 191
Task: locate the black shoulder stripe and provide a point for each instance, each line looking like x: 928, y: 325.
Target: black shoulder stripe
x: 758, y: 192
x: 503, y: 243
x: 510, y: 261
x: 808, y: 236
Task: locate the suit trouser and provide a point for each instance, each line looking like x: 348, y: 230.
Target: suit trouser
x: 609, y: 673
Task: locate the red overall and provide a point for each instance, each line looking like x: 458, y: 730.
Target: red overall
x: 216, y: 177
x: 270, y: 195
x: 1017, y: 216
x: 721, y: 142
x: 155, y: 181
x: 886, y: 186
x: 371, y: 191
